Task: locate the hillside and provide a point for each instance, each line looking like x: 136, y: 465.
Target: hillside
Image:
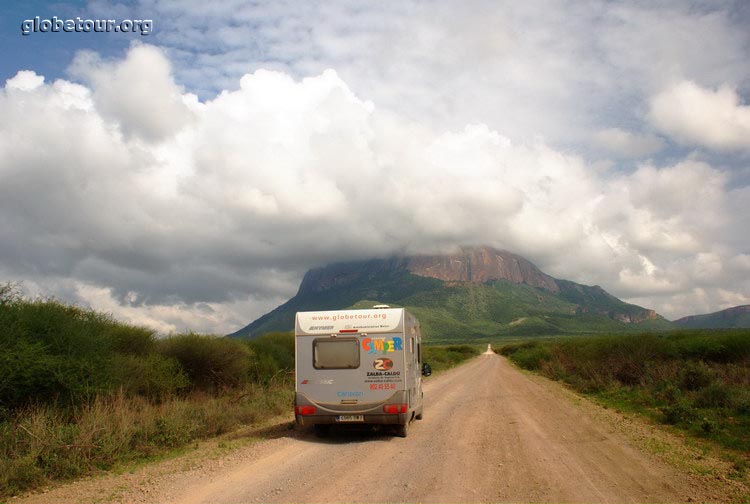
x: 731, y: 318
x: 473, y: 294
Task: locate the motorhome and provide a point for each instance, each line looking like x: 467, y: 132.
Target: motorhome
x: 358, y: 367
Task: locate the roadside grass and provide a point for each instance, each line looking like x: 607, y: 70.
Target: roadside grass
x: 44, y: 443
x: 697, y: 381
x: 441, y: 358
x: 81, y: 392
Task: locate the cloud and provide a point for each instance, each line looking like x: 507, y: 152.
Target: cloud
x: 693, y: 115
x: 25, y: 80
x: 137, y: 93
x: 514, y: 67
x: 208, y: 219
x: 626, y: 144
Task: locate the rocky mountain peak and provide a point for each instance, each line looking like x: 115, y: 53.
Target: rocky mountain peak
x: 479, y: 265
x: 469, y: 264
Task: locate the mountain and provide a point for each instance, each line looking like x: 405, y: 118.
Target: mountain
x: 475, y: 293
x: 737, y: 317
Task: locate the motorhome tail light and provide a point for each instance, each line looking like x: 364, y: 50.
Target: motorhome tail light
x: 395, y: 409
x: 305, y: 410
x: 348, y: 330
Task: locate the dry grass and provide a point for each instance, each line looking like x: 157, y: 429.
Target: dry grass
x: 45, y: 443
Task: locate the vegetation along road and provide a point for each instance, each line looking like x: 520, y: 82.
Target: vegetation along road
x: 491, y: 433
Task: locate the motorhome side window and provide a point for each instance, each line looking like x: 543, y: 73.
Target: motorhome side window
x: 335, y: 353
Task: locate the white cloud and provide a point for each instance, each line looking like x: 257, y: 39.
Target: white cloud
x: 25, y: 80
x: 703, y: 117
x: 138, y: 93
x: 513, y: 66
x: 237, y: 198
x: 627, y: 144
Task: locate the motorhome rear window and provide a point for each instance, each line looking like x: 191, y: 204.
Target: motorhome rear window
x: 336, y: 353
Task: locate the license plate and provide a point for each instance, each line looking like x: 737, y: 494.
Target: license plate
x: 350, y: 418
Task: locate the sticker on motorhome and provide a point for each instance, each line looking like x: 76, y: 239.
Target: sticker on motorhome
x: 382, y: 364
x: 350, y: 394
x: 382, y: 345
x: 386, y: 320
x: 383, y: 377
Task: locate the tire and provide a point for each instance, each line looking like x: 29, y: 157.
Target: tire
x: 322, y: 430
x: 402, y: 430
x: 419, y: 415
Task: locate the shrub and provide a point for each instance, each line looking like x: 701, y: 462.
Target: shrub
x: 696, y: 375
x: 272, y: 355
x: 667, y: 393
x: 443, y: 357
x: 532, y: 356
x: 131, y: 340
x: 715, y: 395
x: 742, y: 402
x: 153, y: 376
x: 679, y: 412
x: 211, y: 363
x: 698, y: 380
x: 721, y: 346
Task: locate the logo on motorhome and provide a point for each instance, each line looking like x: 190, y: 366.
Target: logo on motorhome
x: 382, y: 345
x: 382, y: 364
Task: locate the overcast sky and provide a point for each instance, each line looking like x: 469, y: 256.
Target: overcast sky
x: 187, y: 179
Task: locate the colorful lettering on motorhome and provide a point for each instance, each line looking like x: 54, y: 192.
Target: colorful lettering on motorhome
x: 382, y: 345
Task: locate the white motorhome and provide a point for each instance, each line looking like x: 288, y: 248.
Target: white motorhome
x: 358, y: 366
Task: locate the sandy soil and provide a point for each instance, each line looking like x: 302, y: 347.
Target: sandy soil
x: 490, y: 433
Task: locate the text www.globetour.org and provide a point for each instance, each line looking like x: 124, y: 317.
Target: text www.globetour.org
x: 80, y: 25
x: 346, y: 316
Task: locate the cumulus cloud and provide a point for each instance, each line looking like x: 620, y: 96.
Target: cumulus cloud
x: 510, y: 65
x: 25, y: 80
x: 694, y: 115
x: 627, y: 144
x: 137, y: 93
x: 215, y: 223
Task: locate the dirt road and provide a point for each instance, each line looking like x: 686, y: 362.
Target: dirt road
x: 490, y: 434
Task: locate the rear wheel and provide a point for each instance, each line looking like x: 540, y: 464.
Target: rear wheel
x: 402, y: 430
x: 419, y: 415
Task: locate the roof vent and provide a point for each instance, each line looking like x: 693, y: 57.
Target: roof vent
x: 380, y: 306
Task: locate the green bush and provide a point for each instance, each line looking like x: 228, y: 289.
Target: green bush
x: 132, y: 340
x: 272, y: 357
x: 80, y: 391
x: 696, y: 380
x: 679, y: 412
x: 715, y: 395
x: 211, y: 363
x: 55, y: 353
x: 153, y: 376
x: 532, y: 356
x: 696, y: 375
x: 723, y: 346
x: 444, y: 357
